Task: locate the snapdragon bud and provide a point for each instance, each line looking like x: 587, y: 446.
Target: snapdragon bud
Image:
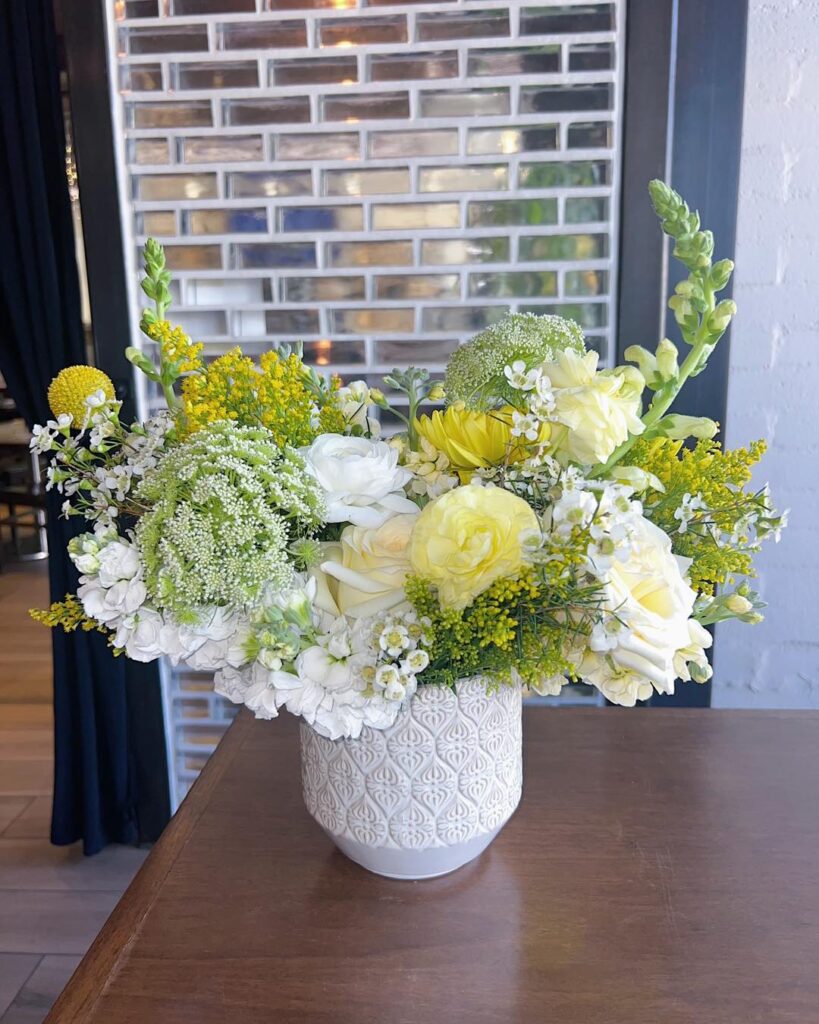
x: 645, y: 360
x: 678, y: 427
x: 737, y: 604
x: 721, y: 316
x: 666, y: 360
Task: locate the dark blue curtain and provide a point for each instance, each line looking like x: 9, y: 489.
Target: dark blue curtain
x: 110, y: 773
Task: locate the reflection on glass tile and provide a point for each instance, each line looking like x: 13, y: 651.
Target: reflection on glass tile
x: 585, y: 282
x: 582, y: 18
x: 589, y: 314
x: 229, y: 291
x: 362, y: 31
x: 213, y: 6
x: 223, y: 222
x: 369, y: 254
x: 372, y: 106
x: 365, y: 321
x: 503, y: 212
x: 485, y: 177
x: 322, y: 289
x: 418, y: 286
x: 157, y: 222
x: 512, y: 140
x: 202, y: 323
x: 139, y: 9
x: 404, y: 67
x: 443, y: 251
x: 414, y: 351
x: 592, y: 57
x: 404, y: 216
x: 148, y: 151
x: 311, y: 5
x: 513, y: 284
x: 320, y: 145
x: 280, y: 110
x: 462, y: 25
x: 321, y: 218
x: 167, y: 39
x: 221, y: 149
x: 438, y: 142
x: 141, y: 77
x: 274, y: 254
x: 563, y: 247
x: 312, y: 71
x: 373, y: 182
x: 548, y: 99
x: 176, y: 186
x: 529, y: 60
x: 192, y: 257
x: 586, y: 210
x: 292, y: 321
x: 217, y: 76
x: 579, y: 174
x: 461, y: 318
x: 249, y: 184
x: 262, y: 35
x: 195, y: 114
x: 334, y: 353
x: 465, y: 103
x: 590, y: 135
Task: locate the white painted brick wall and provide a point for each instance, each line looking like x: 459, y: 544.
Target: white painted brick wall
x: 774, y: 379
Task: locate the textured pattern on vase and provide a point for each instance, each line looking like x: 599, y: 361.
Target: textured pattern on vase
x: 449, y: 769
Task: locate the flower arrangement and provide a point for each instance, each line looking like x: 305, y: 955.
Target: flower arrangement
x: 553, y: 522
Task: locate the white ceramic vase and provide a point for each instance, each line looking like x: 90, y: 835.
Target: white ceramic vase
x: 430, y: 793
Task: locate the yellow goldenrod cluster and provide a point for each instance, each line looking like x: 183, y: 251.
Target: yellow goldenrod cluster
x: 177, y: 348
x: 274, y: 394
x: 68, y: 615
x: 718, y: 478
x: 70, y: 388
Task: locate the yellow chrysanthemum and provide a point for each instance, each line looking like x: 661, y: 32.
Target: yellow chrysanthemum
x: 473, y: 440
x: 70, y: 388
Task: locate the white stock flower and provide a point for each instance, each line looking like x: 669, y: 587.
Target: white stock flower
x: 649, y: 595
x: 144, y: 642
x: 361, y: 479
x: 118, y: 560
x: 598, y: 409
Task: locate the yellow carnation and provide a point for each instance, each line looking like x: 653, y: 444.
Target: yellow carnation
x: 472, y: 440
x: 468, y: 538
x: 70, y: 388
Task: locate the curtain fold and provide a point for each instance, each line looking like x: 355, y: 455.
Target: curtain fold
x: 96, y: 798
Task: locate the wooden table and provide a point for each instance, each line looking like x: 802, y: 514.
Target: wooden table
x: 663, y: 869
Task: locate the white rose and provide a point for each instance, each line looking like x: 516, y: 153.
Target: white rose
x: 597, y: 409
x: 144, y: 643
x: 118, y: 560
x: 649, y: 595
x: 361, y: 479
x: 365, y: 574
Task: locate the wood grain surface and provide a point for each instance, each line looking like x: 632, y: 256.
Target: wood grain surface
x: 663, y: 868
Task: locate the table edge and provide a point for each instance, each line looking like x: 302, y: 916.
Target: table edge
x: 88, y: 983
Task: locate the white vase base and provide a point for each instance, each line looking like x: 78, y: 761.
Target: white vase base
x: 414, y: 865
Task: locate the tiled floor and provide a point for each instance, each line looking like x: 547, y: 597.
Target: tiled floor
x: 53, y: 901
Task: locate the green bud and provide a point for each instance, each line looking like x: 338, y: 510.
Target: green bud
x: 644, y: 359
x: 678, y: 427
x: 138, y: 359
x: 666, y: 361
x: 719, y: 319
x: 721, y: 274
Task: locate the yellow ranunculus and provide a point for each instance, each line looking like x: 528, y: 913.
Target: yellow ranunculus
x: 365, y: 573
x: 473, y: 440
x: 468, y: 538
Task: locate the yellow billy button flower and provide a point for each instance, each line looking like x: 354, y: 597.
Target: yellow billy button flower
x: 70, y: 388
x: 473, y: 440
x: 468, y: 538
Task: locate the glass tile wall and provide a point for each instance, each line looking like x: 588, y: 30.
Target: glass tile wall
x: 379, y: 180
